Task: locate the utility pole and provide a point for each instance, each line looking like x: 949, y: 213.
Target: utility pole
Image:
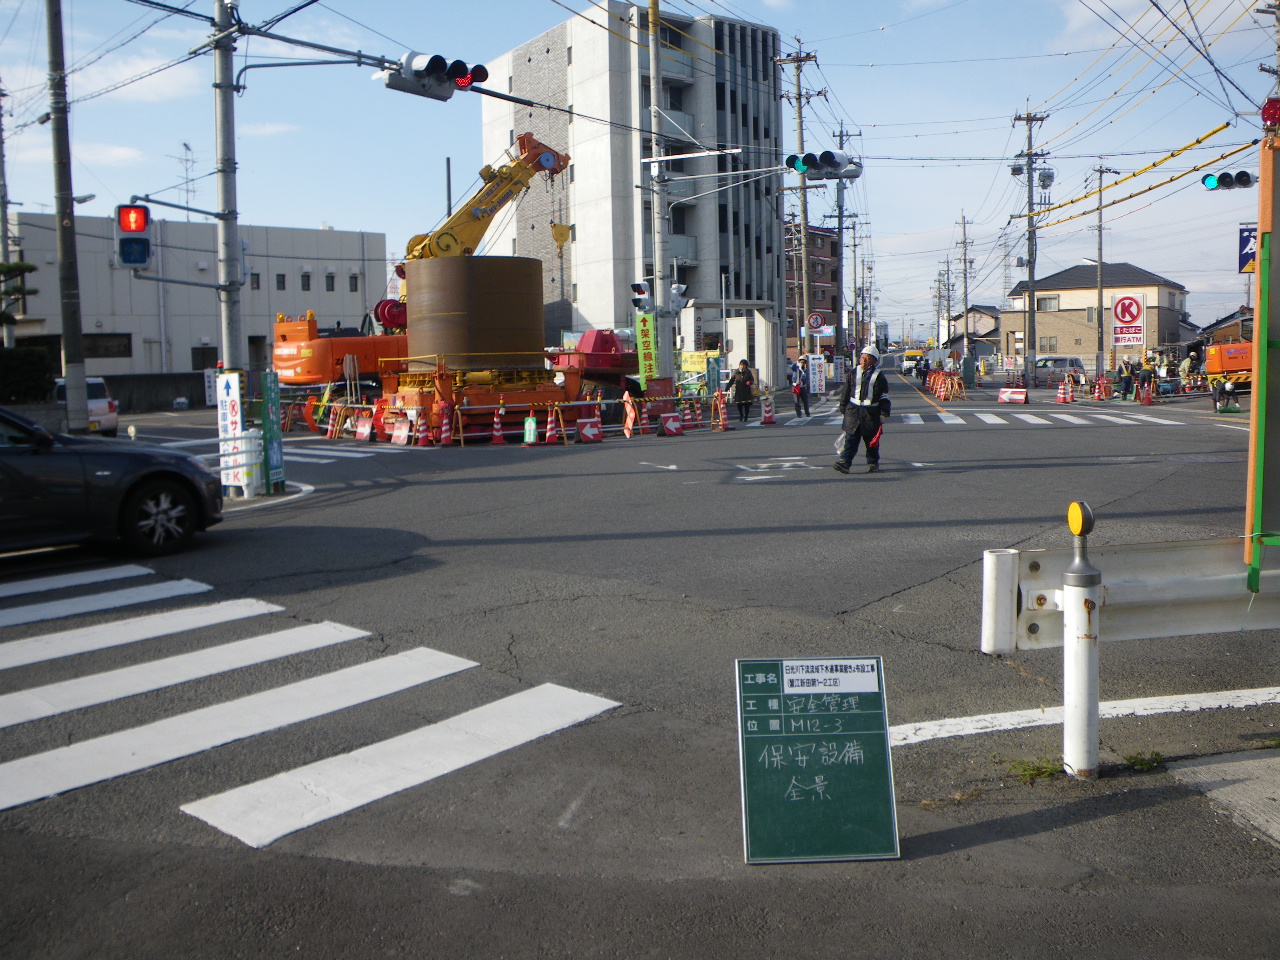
x: 4, y: 219
x: 804, y: 341
x: 964, y: 272
x: 853, y: 265
x: 837, y: 308
x: 1029, y: 329
x: 234, y: 345
x: 950, y: 289
x: 661, y: 282
x: 1101, y: 363
x: 68, y: 266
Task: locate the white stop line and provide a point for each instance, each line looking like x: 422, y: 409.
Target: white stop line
x: 908, y: 733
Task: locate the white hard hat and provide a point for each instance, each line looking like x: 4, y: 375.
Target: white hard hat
x: 872, y: 352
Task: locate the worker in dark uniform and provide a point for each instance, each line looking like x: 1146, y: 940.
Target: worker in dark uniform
x: 864, y: 402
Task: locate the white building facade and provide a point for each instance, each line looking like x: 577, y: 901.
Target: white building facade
x: 721, y: 89
x: 133, y: 326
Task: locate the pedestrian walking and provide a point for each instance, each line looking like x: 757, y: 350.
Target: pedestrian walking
x: 742, y: 383
x: 800, y: 386
x: 864, y: 402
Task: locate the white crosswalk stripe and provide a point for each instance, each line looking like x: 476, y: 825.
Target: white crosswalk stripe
x: 263, y: 812
x: 93, y: 603
x: 1078, y: 419
x: 257, y: 813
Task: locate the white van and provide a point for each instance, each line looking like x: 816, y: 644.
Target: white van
x: 103, y: 415
x: 1062, y: 367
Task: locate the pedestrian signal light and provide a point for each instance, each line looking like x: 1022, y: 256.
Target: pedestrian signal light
x: 133, y: 236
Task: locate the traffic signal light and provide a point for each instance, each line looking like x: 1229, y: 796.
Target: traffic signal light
x: 827, y: 165
x: 642, y: 301
x: 1227, y: 180
x: 678, y: 300
x: 133, y: 236
x: 433, y: 77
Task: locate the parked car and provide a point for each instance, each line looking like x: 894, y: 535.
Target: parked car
x: 104, y: 417
x: 57, y: 489
x: 1062, y: 367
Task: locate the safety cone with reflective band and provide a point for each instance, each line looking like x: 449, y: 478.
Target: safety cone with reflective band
x: 1147, y: 399
x: 496, y: 437
x: 718, y: 419
x: 645, y: 425
x: 766, y: 410
x: 1071, y: 391
x: 446, y: 424
x: 697, y: 411
x: 1062, y: 393
x: 552, y: 436
x: 334, y: 417
x: 686, y: 414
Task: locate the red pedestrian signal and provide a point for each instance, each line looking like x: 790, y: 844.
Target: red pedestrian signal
x: 133, y: 218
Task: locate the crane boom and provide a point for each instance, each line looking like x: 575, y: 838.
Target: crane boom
x: 461, y: 233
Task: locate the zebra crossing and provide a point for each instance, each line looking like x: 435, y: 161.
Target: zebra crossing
x: 261, y: 812
x: 1079, y: 419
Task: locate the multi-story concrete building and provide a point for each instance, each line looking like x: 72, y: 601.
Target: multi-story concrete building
x: 824, y: 285
x: 721, y: 89
x: 1066, y: 304
x: 139, y: 327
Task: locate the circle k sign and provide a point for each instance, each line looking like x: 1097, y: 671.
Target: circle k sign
x: 1128, y: 313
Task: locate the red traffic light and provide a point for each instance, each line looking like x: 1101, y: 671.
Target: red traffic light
x: 133, y: 218
x: 1271, y: 112
x: 478, y: 74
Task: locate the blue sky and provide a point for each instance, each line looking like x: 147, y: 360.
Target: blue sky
x: 929, y: 87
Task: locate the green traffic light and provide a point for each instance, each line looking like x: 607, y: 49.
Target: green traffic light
x: 1210, y: 181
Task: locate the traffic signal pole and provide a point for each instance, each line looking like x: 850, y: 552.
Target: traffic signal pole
x: 804, y: 343
x: 661, y: 281
x: 234, y: 345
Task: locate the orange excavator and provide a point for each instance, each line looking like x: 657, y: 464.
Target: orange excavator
x: 304, y: 355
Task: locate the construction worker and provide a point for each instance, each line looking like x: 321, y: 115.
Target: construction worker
x: 864, y: 402
x: 1126, y: 377
x: 1185, y: 369
x: 1147, y: 375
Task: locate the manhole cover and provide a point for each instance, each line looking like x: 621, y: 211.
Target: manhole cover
x: 1207, y: 458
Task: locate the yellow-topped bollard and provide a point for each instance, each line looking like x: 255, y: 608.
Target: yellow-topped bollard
x: 1081, y: 613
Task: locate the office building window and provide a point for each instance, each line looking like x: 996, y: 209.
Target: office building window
x: 329, y: 282
x: 255, y: 281
x: 574, y: 288
x: 108, y: 345
x: 306, y: 283
x: 279, y: 284
x: 204, y: 358
x: 568, y: 55
x: 353, y: 283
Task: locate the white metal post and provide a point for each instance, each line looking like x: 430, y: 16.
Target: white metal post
x: 1081, y: 597
x: 1000, y: 601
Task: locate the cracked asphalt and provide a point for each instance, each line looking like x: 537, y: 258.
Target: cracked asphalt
x: 596, y: 568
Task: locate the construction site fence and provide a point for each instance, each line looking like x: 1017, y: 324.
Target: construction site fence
x: 338, y: 419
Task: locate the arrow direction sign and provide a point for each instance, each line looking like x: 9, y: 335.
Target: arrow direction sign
x: 645, y: 463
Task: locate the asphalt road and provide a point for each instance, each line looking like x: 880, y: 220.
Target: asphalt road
x: 634, y: 573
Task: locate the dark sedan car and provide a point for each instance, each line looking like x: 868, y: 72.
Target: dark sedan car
x: 56, y: 489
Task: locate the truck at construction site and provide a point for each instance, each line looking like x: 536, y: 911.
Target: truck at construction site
x: 465, y: 340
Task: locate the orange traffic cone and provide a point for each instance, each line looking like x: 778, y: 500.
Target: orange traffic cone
x: 497, y: 436
x: 424, y: 429
x: 551, y: 436
x: 766, y: 410
x: 1062, y: 393
x: 446, y: 424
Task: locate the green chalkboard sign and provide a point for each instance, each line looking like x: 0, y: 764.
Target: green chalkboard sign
x: 813, y: 745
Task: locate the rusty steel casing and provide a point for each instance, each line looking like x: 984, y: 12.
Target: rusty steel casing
x: 479, y: 313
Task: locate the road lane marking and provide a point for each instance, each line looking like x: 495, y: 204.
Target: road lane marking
x: 263, y: 812
x: 94, y: 602
x: 331, y: 452
x: 1110, y: 419
x: 1149, y: 419
x: 53, y: 646
x: 991, y: 418
x: 912, y: 418
x: 1031, y: 418
x: 908, y: 733
x: 1068, y: 418
x: 290, y: 458
x: 1232, y: 426
x: 39, y: 584
x: 114, y: 755
x: 950, y: 418
x: 36, y: 703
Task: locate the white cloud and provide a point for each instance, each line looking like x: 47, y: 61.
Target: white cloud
x: 175, y: 83
x: 266, y: 129
x: 106, y: 155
